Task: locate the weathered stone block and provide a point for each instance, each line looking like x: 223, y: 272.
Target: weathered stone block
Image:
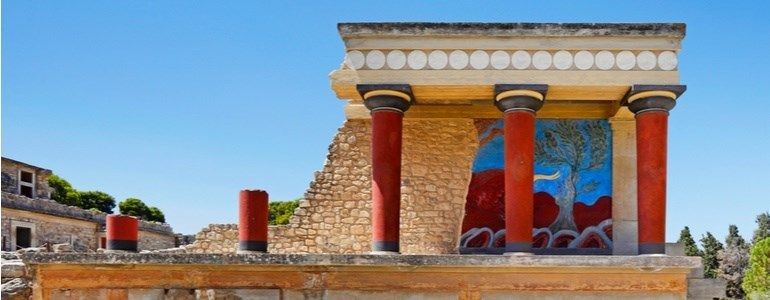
x: 706, y: 288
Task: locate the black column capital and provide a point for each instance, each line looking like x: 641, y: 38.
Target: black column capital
x: 386, y: 96
x: 643, y: 97
x: 520, y: 96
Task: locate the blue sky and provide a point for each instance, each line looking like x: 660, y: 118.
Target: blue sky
x: 184, y: 103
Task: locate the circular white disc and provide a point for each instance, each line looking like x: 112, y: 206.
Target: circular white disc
x: 437, y: 59
x: 500, y: 60
x: 355, y: 59
x: 625, y: 60
x: 396, y: 59
x: 562, y: 60
x: 667, y: 60
x: 584, y: 60
x: 479, y: 59
x: 458, y: 59
x: 541, y: 60
x: 521, y: 59
x: 646, y: 60
x: 417, y: 59
x: 604, y: 60
x: 375, y: 59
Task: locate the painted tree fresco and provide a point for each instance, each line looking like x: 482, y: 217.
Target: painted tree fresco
x: 573, y: 186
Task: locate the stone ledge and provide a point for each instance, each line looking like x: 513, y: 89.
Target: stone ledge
x: 512, y: 29
x: 644, y: 263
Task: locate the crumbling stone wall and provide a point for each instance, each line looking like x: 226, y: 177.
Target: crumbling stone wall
x: 10, y: 180
x: 334, y: 216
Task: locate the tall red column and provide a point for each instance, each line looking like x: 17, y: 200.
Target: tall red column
x: 252, y: 221
x: 122, y: 233
x: 651, y: 105
x: 519, y: 104
x: 387, y: 104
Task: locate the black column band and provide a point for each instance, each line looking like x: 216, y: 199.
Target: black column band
x: 652, y: 248
x: 123, y: 245
x: 518, y: 247
x: 388, y: 246
x: 253, y: 246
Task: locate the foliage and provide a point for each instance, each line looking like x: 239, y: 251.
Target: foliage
x: 734, y: 238
x: 97, y: 200
x: 733, y: 260
x: 711, y: 247
x: 763, y: 228
x: 690, y: 248
x: 756, y: 282
x: 280, y: 211
x: 134, y: 207
x: 156, y: 215
x: 63, y: 192
x: 566, y: 144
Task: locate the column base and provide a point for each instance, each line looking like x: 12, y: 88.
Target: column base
x: 385, y: 246
x: 385, y: 253
x: 518, y: 247
x: 249, y: 252
x: 252, y: 246
x: 652, y: 248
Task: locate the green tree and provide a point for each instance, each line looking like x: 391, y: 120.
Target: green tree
x: 756, y: 283
x: 733, y: 261
x: 280, y: 212
x: 99, y: 200
x: 734, y: 238
x: 690, y: 248
x: 763, y: 228
x: 156, y: 215
x: 134, y: 207
x: 711, y: 247
x: 63, y: 192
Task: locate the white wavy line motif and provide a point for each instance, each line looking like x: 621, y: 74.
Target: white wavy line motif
x: 578, y: 238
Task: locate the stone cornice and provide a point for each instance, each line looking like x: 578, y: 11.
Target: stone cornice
x: 676, y: 30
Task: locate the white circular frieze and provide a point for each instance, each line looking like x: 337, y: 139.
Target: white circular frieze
x: 375, y: 59
x: 646, y: 60
x: 584, y: 60
x: 355, y: 59
x: 500, y: 60
x: 458, y: 59
x: 521, y: 59
x: 396, y: 59
x: 479, y: 59
x: 667, y: 60
x: 541, y: 60
x: 437, y: 59
x: 417, y: 59
x: 604, y: 60
x: 562, y: 60
x: 625, y: 60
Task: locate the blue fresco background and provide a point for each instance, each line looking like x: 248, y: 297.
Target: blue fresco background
x: 490, y: 156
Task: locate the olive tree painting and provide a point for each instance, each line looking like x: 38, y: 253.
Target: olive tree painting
x: 573, y: 186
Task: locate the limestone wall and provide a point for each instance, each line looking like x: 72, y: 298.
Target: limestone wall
x: 10, y: 180
x: 51, y: 229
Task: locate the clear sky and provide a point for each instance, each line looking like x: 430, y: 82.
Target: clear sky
x: 183, y: 103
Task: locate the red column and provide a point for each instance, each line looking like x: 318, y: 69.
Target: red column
x: 519, y: 103
x: 519, y: 172
x: 252, y: 221
x: 386, y: 179
x: 122, y: 233
x: 651, y: 104
x: 651, y: 145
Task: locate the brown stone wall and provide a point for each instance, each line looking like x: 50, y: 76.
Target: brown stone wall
x: 10, y: 180
x: 334, y: 216
x: 151, y: 241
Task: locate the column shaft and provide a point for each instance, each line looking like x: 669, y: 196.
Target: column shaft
x: 651, y: 145
x: 519, y: 170
x: 252, y: 221
x: 387, y: 126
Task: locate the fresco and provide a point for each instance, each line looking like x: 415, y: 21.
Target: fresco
x: 573, y: 186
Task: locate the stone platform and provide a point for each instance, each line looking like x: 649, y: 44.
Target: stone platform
x: 324, y: 276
